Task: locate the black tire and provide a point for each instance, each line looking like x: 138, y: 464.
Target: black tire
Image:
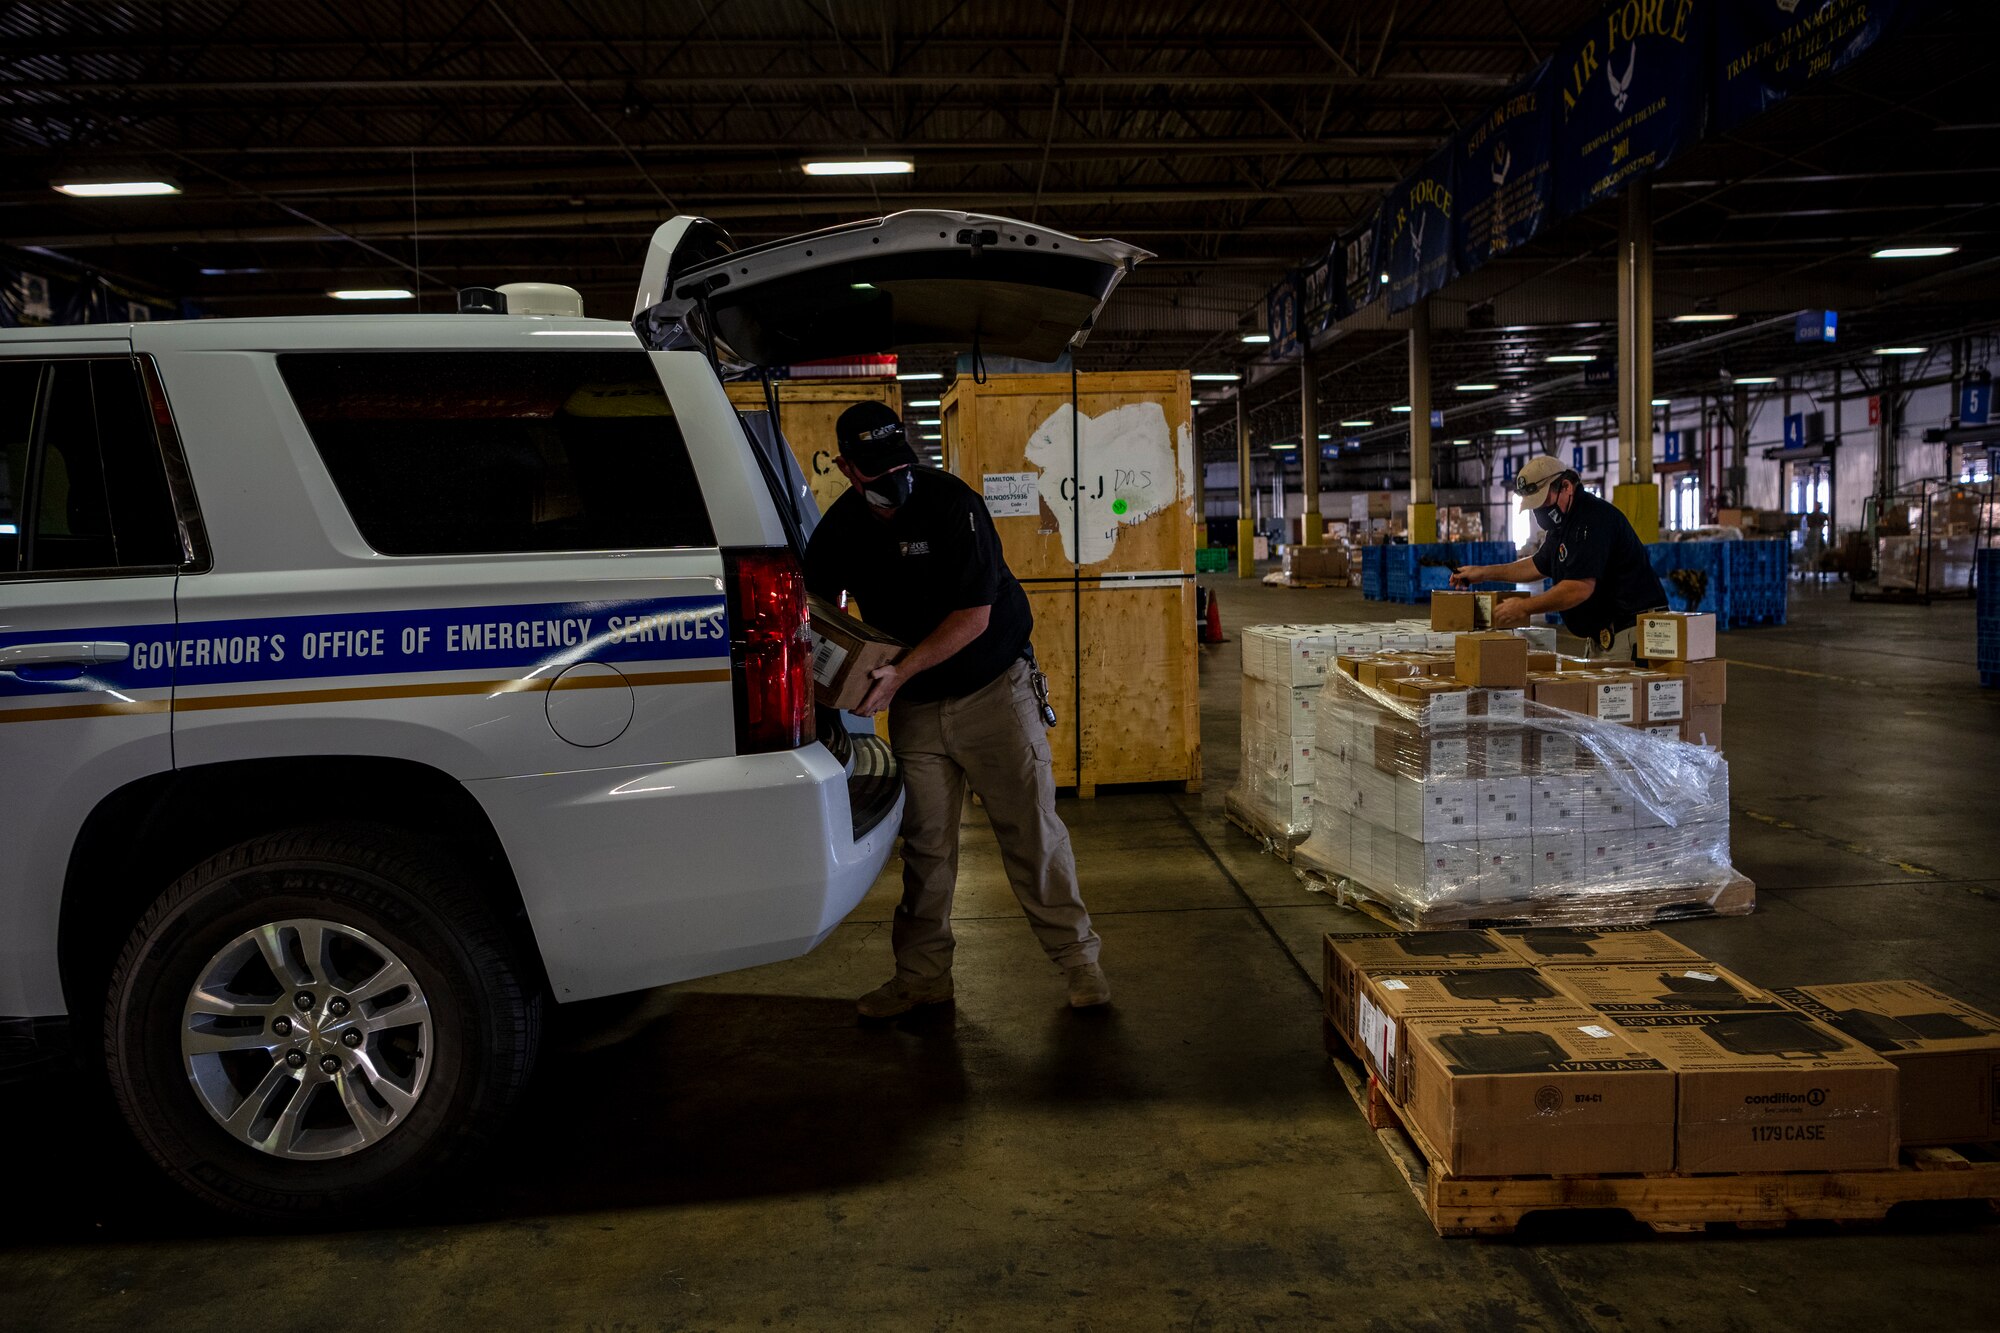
x: 485, y: 1016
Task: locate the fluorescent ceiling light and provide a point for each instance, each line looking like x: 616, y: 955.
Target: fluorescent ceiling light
x: 1572, y: 418
x: 866, y: 166
x: 1357, y: 425
x: 1901, y: 351
x: 1560, y: 357
x: 1461, y: 441
x: 9, y: 530
x: 1256, y: 337
x: 1915, y: 251
x: 372, y: 294
x: 1404, y: 408
x: 1475, y: 388
x: 1510, y: 430
x: 1756, y: 379
x: 1194, y: 402
x: 933, y: 437
x: 1703, y: 317
x: 1218, y: 376
x: 930, y: 421
x: 1282, y: 448
x: 1324, y: 436
x: 922, y: 375
x: 115, y: 189
x: 1662, y: 402
x: 925, y: 402
x: 1385, y: 280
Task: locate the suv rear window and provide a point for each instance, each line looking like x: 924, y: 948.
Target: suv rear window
x: 462, y: 453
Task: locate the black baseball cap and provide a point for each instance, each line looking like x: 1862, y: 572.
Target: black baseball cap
x: 871, y: 437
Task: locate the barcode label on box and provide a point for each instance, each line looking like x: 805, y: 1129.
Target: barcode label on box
x: 1661, y: 638
x: 1702, y: 976
x: 1377, y: 1034
x: 1663, y: 700
x: 1393, y: 984
x: 1614, y: 703
x: 1594, y: 1030
x: 827, y: 659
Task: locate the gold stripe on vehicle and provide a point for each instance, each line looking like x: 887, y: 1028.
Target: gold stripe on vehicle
x: 355, y: 694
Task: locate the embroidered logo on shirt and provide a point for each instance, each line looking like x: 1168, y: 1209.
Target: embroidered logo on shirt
x: 915, y: 548
x: 1562, y: 552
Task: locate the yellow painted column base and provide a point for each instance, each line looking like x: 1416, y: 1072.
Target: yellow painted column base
x: 1640, y: 502
x: 1313, y: 528
x: 1200, y: 535
x: 1246, y: 548
x: 1423, y: 523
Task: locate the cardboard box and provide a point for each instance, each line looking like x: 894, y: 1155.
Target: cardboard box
x: 1377, y: 672
x: 1703, y: 725
x: 1387, y: 999
x: 1947, y: 1054
x: 846, y: 652
x: 1535, y: 1095
x: 1664, y: 698
x: 1493, y: 659
x: 1707, y: 680
x: 1770, y: 1090
x: 1347, y: 957
x: 1464, y: 612
x: 1560, y: 946
x: 1591, y: 694
x: 1676, y: 636
x: 1443, y: 703
x: 1543, y: 660
x: 1622, y: 990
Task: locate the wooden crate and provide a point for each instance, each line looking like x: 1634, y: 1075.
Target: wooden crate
x: 1138, y: 701
x: 1015, y: 424
x: 807, y: 410
x: 1133, y: 713
x: 1669, y: 1202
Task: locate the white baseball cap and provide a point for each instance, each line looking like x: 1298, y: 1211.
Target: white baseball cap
x: 1531, y: 483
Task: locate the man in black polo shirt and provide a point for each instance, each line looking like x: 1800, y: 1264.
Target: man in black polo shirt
x: 1603, y: 580
x: 916, y: 549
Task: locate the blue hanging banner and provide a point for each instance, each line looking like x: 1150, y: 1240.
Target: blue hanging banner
x: 1576, y: 458
x: 1766, y: 50
x: 1281, y: 314
x: 1817, y: 326
x: 1503, y: 173
x: 1795, y: 431
x: 1507, y: 468
x: 1359, y: 283
x: 1417, y: 232
x: 1630, y: 95
x: 1670, y: 447
x: 1975, y: 399
x: 1317, y: 296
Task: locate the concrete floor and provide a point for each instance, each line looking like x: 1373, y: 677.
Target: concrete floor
x: 738, y: 1153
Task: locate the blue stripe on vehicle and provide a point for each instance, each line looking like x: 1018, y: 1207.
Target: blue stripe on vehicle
x: 379, y: 643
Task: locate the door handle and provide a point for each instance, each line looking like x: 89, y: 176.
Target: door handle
x: 62, y: 654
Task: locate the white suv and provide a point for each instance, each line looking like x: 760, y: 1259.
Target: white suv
x: 367, y: 682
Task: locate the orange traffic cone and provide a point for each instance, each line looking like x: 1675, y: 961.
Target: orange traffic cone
x: 1211, y: 629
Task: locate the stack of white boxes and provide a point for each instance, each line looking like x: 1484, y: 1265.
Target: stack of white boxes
x: 1480, y: 798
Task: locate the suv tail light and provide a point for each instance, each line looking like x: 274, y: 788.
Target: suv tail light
x: 770, y: 649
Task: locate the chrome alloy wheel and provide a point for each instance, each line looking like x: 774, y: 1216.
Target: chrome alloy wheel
x: 307, y: 1039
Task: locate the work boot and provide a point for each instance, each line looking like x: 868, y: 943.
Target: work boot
x: 898, y: 996
x: 1087, y: 986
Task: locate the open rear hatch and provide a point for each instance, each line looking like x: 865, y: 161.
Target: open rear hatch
x: 924, y: 278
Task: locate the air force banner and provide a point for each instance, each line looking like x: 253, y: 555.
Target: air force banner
x: 1502, y: 189
x: 1766, y: 50
x: 1417, y: 219
x: 1629, y: 95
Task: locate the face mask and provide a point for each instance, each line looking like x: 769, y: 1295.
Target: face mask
x: 891, y: 490
x: 1548, y: 517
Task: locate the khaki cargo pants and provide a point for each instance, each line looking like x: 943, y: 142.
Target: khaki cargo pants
x: 993, y: 741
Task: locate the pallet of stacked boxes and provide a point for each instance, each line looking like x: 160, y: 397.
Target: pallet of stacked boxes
x: 1501, y: 782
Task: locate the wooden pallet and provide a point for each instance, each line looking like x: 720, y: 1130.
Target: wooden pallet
x: 1640, y: 907
x: 1277, y: 845
x: 1496, y: 1206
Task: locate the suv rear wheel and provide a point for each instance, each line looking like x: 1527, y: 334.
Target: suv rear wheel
x: 313, y: 1023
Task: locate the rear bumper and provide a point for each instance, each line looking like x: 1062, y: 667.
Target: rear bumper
x: 636, y: 877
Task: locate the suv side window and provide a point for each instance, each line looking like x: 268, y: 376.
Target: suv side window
x: 460, y: 453
x: 84, y: 486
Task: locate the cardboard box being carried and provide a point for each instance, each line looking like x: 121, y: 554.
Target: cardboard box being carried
x: 1561, y: 946
x: 1771, y: 1090
x: 846, y: 652
x: 1946, y: 1054
x: 1538, y: 1095
x: 1676, y: 636
x: 1463, y: 612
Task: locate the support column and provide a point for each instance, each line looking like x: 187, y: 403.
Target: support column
x: 1423, y: 507
x: 1313, y: 527
x: 1739, y: 448
x: 1638, y: 495
x: 1885, y: 429
x: 1246, y: 526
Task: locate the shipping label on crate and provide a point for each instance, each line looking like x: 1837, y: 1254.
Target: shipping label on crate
x: 827, y: 658
x: 1132, y: 468
x: 1012, y: 494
